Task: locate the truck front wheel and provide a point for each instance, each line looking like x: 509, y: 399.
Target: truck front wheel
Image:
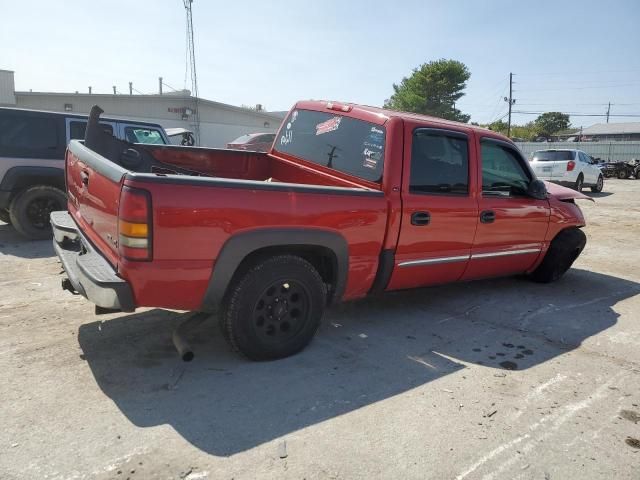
x: 30, y: 210
x: 274, y: 309
x: 563, y: 251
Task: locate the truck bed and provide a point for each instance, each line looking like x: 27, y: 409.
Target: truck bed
x: 193, y: 217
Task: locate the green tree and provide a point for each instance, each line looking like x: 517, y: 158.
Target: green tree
x: 551, y: 122
x: 498, y: 126
x: 432, y: 89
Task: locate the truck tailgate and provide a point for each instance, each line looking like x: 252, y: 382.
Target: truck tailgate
x: 93, y: 187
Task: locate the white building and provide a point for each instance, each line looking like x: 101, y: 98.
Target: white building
x: 219, y: 123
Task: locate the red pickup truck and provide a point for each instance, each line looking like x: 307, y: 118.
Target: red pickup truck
x: 350, y: 201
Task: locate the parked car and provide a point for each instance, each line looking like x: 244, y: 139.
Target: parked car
x: 186, y: 136
x: 570, y: 168
x: 350, y: 201
x: 32, y: 146
x: 256, y: 142
x: 621, y: 170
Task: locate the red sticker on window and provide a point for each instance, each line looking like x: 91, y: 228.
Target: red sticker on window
x: 329, y: 126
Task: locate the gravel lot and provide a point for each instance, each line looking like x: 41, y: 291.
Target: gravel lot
x: 500, y: 379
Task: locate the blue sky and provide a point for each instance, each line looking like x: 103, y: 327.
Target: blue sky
x: 567, y: 56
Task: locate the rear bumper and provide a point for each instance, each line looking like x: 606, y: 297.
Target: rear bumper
x: 89, y: 273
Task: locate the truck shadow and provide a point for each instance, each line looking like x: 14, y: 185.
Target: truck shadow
x: 11, y: 243
x: 366, y: 352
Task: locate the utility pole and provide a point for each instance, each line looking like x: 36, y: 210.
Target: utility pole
x: 130, y: 88
x: 608, y: 111
x: 510, y: 101
x: 114, y: 89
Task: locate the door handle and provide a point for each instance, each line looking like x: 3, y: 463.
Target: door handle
x: 420, y: 218
x: 487, y: 216
x: 84, y: 177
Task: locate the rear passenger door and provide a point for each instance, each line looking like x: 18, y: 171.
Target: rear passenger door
x: 511, y: 225
x: 439, y: 210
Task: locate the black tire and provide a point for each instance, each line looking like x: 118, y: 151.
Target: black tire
x: 4, y: 216
x: 564, y: 250
x: 638, y: 174
x: 622, y: 173
x: 274, y: 309
x: 579, y: 183
x: 599, y: 185
x: 30, y: 210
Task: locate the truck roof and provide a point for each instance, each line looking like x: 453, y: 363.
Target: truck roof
x: 81, y: 116
x: 381, y: 115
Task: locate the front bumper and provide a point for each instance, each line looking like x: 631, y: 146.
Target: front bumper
x: 88, y: 272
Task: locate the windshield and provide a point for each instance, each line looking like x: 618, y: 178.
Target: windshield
x: 553, y: 155
x: 345, y: 144
x: 144, y: 135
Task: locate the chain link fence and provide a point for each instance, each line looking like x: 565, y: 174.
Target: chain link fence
x: 609, y: 151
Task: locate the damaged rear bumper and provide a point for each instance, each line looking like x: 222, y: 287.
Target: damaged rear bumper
x: 89, y: 274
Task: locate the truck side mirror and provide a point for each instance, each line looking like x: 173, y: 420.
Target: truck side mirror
x: 537, y: 190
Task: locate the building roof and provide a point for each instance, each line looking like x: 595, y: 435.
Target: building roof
x: 612, y: 129
x: 168, y: 96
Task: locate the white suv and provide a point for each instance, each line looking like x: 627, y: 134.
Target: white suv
x: 571, y: 168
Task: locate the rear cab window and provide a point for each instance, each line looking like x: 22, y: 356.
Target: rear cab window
x: 345, y: 144
x: 553, y: 155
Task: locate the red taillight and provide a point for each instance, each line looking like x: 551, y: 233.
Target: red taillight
x: 339, y: 107
x: 571, y: 165
x: 134, y: 224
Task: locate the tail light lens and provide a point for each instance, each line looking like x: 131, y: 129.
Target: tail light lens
x: 571, y: 165
x: 134, y: 224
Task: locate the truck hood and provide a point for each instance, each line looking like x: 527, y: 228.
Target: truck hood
x: 564, y: 193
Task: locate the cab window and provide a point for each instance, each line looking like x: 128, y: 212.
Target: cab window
x: 503, y: 170
x: 143, y: 135
x: 77, y: 129
x: 439, y: 163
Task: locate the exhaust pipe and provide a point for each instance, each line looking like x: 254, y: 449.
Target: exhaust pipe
x: 68, y: 286
x: 179, y: 335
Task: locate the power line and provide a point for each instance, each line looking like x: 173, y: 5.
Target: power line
x: 578, y: 114
x: 581, y: 88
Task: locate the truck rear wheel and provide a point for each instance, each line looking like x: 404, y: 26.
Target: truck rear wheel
x: 563, y: 251
x: 30, y: 210
x: 274, y: 309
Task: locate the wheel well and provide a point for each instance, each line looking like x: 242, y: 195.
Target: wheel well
x: 21, y: 182
x: 322, y: 259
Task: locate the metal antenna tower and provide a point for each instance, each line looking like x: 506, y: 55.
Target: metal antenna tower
x: 191, y: 54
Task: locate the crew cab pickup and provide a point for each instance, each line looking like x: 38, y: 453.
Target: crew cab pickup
x: 350, y: 201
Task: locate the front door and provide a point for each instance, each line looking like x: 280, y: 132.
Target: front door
x: 511, y: 225
x: 439, y: 208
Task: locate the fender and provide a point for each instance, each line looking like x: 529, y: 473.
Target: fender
x: 239, y: 246
x: 19, y: 178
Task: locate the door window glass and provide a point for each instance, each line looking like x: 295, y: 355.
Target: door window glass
x: 439, y: 163
x: 503, y: 172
